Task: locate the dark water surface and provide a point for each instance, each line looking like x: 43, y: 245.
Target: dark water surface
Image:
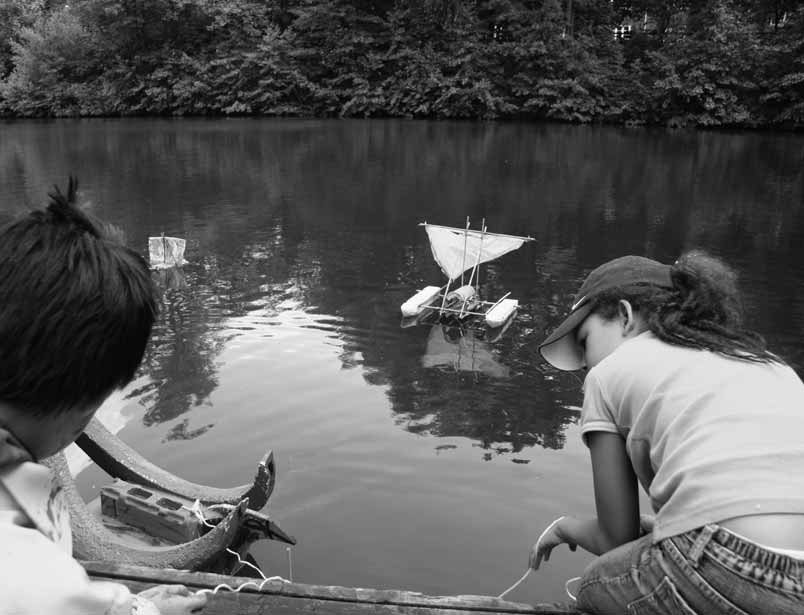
x: 405, y: 460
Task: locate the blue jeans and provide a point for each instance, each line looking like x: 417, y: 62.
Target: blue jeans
x: 707, y: 571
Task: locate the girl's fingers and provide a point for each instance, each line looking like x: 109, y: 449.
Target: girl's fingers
x: 535, y: 558
x: 544, y: 546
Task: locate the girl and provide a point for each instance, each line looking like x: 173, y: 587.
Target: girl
x: 682, y: 398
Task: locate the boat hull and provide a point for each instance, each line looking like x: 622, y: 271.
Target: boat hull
x: 501, y: 313
x: 421, y: 300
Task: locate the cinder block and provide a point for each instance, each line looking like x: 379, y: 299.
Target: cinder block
x: 155, y: 512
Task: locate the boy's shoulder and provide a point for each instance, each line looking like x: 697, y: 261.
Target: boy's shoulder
x: 39, y: 502
x: 29, y: 558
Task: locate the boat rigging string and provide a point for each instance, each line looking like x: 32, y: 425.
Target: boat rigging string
x: 196, y: 510
x: 529, y: 570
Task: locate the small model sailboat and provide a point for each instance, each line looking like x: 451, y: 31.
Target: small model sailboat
x: 164, y: 252
x: 457, y: 251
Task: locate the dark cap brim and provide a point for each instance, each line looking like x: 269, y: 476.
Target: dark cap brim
x: 560, y: 349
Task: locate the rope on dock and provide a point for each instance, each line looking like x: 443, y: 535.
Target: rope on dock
x: 515, y: 585
x: 196, y: 510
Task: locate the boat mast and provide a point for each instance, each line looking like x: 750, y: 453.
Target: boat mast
x: 479, y: 252
x: 465, y: 239
x: 477, y: 263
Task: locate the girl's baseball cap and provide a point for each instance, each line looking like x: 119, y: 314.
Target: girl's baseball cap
x: 560, y: 349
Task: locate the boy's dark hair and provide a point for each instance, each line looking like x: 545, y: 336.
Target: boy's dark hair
x: 703, y: 309
x: 76, y: 308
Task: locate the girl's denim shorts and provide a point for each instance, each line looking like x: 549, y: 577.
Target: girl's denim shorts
x: 706, y: 571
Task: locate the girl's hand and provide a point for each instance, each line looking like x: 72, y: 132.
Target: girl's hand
x: 174, y: 599
x: 550, y: 538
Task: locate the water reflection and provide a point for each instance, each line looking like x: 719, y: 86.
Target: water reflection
x: 182, y: 431
x: 321, y: 218
x: 460, y: 349
x: 180, y: 359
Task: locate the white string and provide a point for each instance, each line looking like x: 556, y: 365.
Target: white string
x: 196, y: 510
x: 515, y: 585
x: 527, y: 572
x: 544, y: 533
x: 566, y: 587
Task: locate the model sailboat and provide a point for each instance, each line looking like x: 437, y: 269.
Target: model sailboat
x: 458, y: 251
x: 165, y: 252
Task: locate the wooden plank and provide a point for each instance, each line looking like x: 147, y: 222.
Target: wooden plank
x: 280, y: 598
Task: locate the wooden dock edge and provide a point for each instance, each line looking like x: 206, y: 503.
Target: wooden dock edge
x: 279, y: 598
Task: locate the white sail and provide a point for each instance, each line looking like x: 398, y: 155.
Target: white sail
x: 457, y: 250
x: 166, y: 252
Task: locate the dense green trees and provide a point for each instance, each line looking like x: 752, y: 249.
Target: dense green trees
x: 703, y: 63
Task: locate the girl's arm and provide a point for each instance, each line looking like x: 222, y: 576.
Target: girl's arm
x: 616, y: 499
x: 616, y: 491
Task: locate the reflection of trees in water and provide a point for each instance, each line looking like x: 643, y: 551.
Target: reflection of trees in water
x: 390, y: 174
x: 182, y: 431
x: 249, y: 270
x: 180, y: 357
x: 433, y: 393
x: 472, y: 394
x: 455, y: 405
x: 260, y: 217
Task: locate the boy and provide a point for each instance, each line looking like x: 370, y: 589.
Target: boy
x: 76, y: 310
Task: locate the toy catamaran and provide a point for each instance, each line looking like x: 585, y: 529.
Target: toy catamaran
x: 456, y: 251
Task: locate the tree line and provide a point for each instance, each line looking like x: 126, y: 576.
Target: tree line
x: 703, y: 63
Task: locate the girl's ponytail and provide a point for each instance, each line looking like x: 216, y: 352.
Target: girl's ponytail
x: 705, y: 310
x: 707, y: 290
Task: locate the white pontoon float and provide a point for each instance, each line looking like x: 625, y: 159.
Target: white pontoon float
x: 456, y: 251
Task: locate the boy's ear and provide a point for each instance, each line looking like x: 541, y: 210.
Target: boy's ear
x: 626, y: 315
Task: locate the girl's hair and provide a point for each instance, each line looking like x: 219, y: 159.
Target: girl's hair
x: 703, y: 309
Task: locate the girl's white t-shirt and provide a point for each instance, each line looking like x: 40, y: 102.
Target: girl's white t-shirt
x: 710, y: 438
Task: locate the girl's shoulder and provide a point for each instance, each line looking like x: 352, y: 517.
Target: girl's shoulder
x: 637, y: 351
x: 648, y: 360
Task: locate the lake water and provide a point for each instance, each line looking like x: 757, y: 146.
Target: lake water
x: 406, y: 458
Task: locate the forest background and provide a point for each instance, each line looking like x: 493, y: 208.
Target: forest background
x: 686, y: 63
